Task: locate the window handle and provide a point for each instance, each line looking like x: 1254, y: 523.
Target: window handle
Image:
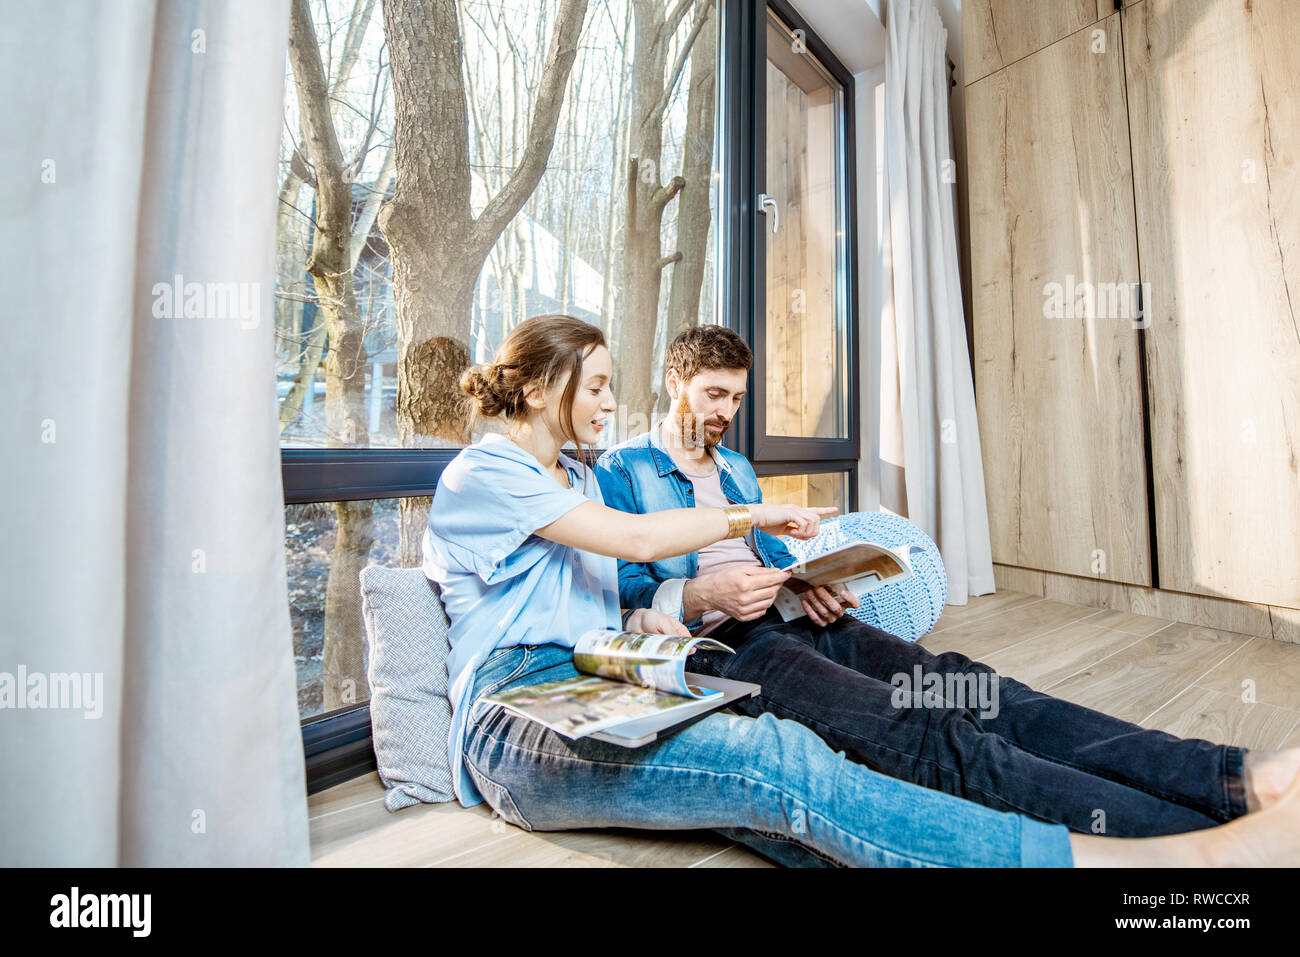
x: 766, y: 202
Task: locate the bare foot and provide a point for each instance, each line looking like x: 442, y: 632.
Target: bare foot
x: 1270, y: 838
x: 1268, y: 776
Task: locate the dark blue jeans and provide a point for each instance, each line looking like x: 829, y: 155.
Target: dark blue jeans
x: 1032, y: 753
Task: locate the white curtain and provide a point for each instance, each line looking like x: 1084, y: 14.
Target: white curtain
x: 144, y: 519
x: 928, y: 408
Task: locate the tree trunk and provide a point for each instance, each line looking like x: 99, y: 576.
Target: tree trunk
x: 694, y: 211
x: 343, y: 663
x: 412, y: 520
x: 614, y: 225
x: 345, y: 367
x: 438, y: 248
x: 647, y: 196
x: 313, y: 350
x: 289, y: 310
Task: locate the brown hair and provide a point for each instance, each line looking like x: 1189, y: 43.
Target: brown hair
x: 707, y: 347
x: 538, y: 351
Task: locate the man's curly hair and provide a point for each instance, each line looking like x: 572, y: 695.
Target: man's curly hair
x: 705, y: 348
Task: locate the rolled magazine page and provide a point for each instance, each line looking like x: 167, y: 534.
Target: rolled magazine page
x: 859, y: 567
x: 652, y: 661
x: 857, y: 560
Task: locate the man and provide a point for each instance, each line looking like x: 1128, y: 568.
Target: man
x: 1030, y: 752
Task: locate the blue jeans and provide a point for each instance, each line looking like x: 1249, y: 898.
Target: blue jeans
x: 769, y: 782
x: 1033, y: 754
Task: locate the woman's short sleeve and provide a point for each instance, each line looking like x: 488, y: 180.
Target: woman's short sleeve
x: 485, y: 508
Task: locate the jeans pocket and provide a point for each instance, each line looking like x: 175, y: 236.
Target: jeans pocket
x: 504, y: 680
x: 498, y: 653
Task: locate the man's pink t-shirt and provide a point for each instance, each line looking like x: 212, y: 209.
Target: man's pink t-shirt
x: 720, y: 556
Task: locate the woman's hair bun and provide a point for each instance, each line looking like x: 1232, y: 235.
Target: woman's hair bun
x: 483, y: 385
x: 540, y: 351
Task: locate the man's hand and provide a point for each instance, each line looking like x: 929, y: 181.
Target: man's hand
x: 647, y: 621
x: 743, y: 593
x: 823, y: 607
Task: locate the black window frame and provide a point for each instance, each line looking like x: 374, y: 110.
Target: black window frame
x: 337, y: 744
x: 743, y: 90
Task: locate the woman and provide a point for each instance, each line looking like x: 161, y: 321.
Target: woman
x: 524, y: 552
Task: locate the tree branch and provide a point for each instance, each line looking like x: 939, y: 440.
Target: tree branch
x: 313, y: 96
x: 362, y: 11
x: 301, y: 213
x: 301, y: 168
x: 664, y: 194
x: 541, y: 131
x: 675, y: 74
x: 370, y: 209
x: 675, y: 16
x: 317, y: 298
x: 372, y: 123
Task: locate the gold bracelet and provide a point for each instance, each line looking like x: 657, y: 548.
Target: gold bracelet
x: 739, y: 520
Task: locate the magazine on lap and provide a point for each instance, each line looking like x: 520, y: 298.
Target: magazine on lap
x: 625, y: 677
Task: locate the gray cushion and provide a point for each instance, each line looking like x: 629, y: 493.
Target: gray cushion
x: 410, y: 717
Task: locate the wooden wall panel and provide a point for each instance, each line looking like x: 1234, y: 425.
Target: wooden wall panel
x: 996, y: 33
x: 1213, y: 88
x: 1059, y: 399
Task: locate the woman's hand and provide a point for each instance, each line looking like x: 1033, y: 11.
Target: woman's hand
x: 790, y: 520
x: 647, y: 621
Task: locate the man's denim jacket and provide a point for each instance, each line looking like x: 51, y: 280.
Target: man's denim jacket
x: 640, y: 476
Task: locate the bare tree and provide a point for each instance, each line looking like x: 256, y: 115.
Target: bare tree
x: 694, y: 208
x: 612, y: 236
x: 438, y: 247
x: 311, y: 347
x: 334, y: 253
x: 653, y: 80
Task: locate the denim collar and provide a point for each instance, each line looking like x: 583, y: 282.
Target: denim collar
x: 664, y: 462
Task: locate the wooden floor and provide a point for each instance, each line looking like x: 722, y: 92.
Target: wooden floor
x: 1185, y: 679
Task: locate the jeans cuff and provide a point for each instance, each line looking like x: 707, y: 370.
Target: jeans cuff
x: 1044, y: 845
x: 1234, y: 781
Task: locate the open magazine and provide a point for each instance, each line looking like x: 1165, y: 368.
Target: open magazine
x: 626, y: 677
x: 859, y: 567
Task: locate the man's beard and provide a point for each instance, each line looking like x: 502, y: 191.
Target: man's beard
x: 694, y: 431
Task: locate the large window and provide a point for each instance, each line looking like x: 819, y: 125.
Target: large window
x: 620, y: 229
x: 630, y: 199
x: 791, y: 263
x: 806, y: 323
